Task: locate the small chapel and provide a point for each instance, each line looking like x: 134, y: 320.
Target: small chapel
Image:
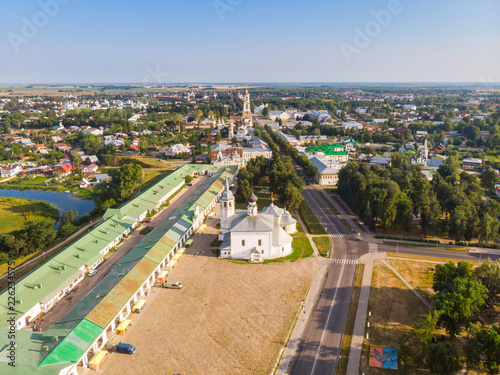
x: 252, y: 235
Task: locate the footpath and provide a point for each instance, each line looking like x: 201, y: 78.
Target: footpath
x: 362, y: 311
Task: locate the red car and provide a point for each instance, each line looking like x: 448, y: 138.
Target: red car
x: 148, y: 220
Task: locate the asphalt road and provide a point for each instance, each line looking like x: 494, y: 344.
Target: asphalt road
x: 439, y: 253
x: 319, y: 345
x: 324, y: 214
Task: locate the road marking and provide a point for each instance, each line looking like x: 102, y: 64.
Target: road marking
x: 327, y: 319
x: 344, y: 261
x: 327, y: 216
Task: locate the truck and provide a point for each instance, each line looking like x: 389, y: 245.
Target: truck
x: 125, y: 348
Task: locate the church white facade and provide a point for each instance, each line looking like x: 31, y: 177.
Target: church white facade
x: 252, y: 235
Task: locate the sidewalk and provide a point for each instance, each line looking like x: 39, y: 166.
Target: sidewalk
x: 361, y: 313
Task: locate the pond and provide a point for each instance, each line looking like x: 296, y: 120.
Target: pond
x: 62, y: 201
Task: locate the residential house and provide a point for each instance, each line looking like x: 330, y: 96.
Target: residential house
x: 100, y: 178
x: 89, y: 169
x: 10, y: 170
x: 381, y: 161
x: 91, y: 159
x: 64, y: 169
x: 472, y: 163
x: 352, y: 125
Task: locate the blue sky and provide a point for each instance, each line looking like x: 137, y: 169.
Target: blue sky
x: 110, y: 41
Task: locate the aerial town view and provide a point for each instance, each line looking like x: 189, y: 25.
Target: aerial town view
x: 249, y: 187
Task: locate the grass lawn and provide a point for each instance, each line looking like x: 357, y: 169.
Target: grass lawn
x: 331, y: 191
x: 310, y: 220
x: 301, y: 249
x: 16, y: 213
x: 152, y: 176
x: 145, y: 162
x: 347, y: 225
x: 300, y: 231
x: 345, y: 346
x: 85, y: 194
x: 323, y: 244
x: 492, y: 156
x: 329, y: 203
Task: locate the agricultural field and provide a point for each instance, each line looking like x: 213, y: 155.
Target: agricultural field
x: 15, y: 213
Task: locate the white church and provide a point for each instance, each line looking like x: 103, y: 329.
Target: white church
x: 252, y: 235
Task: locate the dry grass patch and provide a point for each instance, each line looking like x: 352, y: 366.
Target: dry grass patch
x: 394, y: 310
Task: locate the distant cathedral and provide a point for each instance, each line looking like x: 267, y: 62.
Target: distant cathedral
x: 252, y: 235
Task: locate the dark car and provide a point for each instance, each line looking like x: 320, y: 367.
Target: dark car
x: 125, y: 348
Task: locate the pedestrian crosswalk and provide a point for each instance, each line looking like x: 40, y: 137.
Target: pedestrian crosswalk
x: 340, y: 235
x: 344, y: 261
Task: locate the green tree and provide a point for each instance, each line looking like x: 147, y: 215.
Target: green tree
x: 128, y: 177
x: 40, y: 234
x: 443, y: 359
x: 483, y: 348
x: 489, y: 178
x: 459, y: 304
x: 488, y: 229
x: 404, y: 211
x: 244, y: 191
x: 488, y: 274
x: 292, y: 197
x: 69, y: 217
x: 76, y: 159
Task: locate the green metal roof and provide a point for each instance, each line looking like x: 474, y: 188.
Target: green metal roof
x: 89, y: 317
x: 41, y: 284
x: 327, y: 149
x: 75, y: 344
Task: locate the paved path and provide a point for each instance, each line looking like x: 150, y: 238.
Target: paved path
x: 361, y: 313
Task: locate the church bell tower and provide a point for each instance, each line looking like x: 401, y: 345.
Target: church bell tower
x: 226, y: 210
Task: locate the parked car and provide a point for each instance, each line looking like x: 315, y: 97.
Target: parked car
x: 148, y: 220
x: 172, y: 285
x: 125, y: 348
x: 92, y: 273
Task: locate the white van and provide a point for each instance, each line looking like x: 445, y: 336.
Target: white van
x: 172, y: 284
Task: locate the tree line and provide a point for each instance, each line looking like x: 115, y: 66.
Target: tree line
x: 452, y: 204
x: 35, y: 236
x: 309, y: 168
x: 283, y: 181
x: 461, y: 294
